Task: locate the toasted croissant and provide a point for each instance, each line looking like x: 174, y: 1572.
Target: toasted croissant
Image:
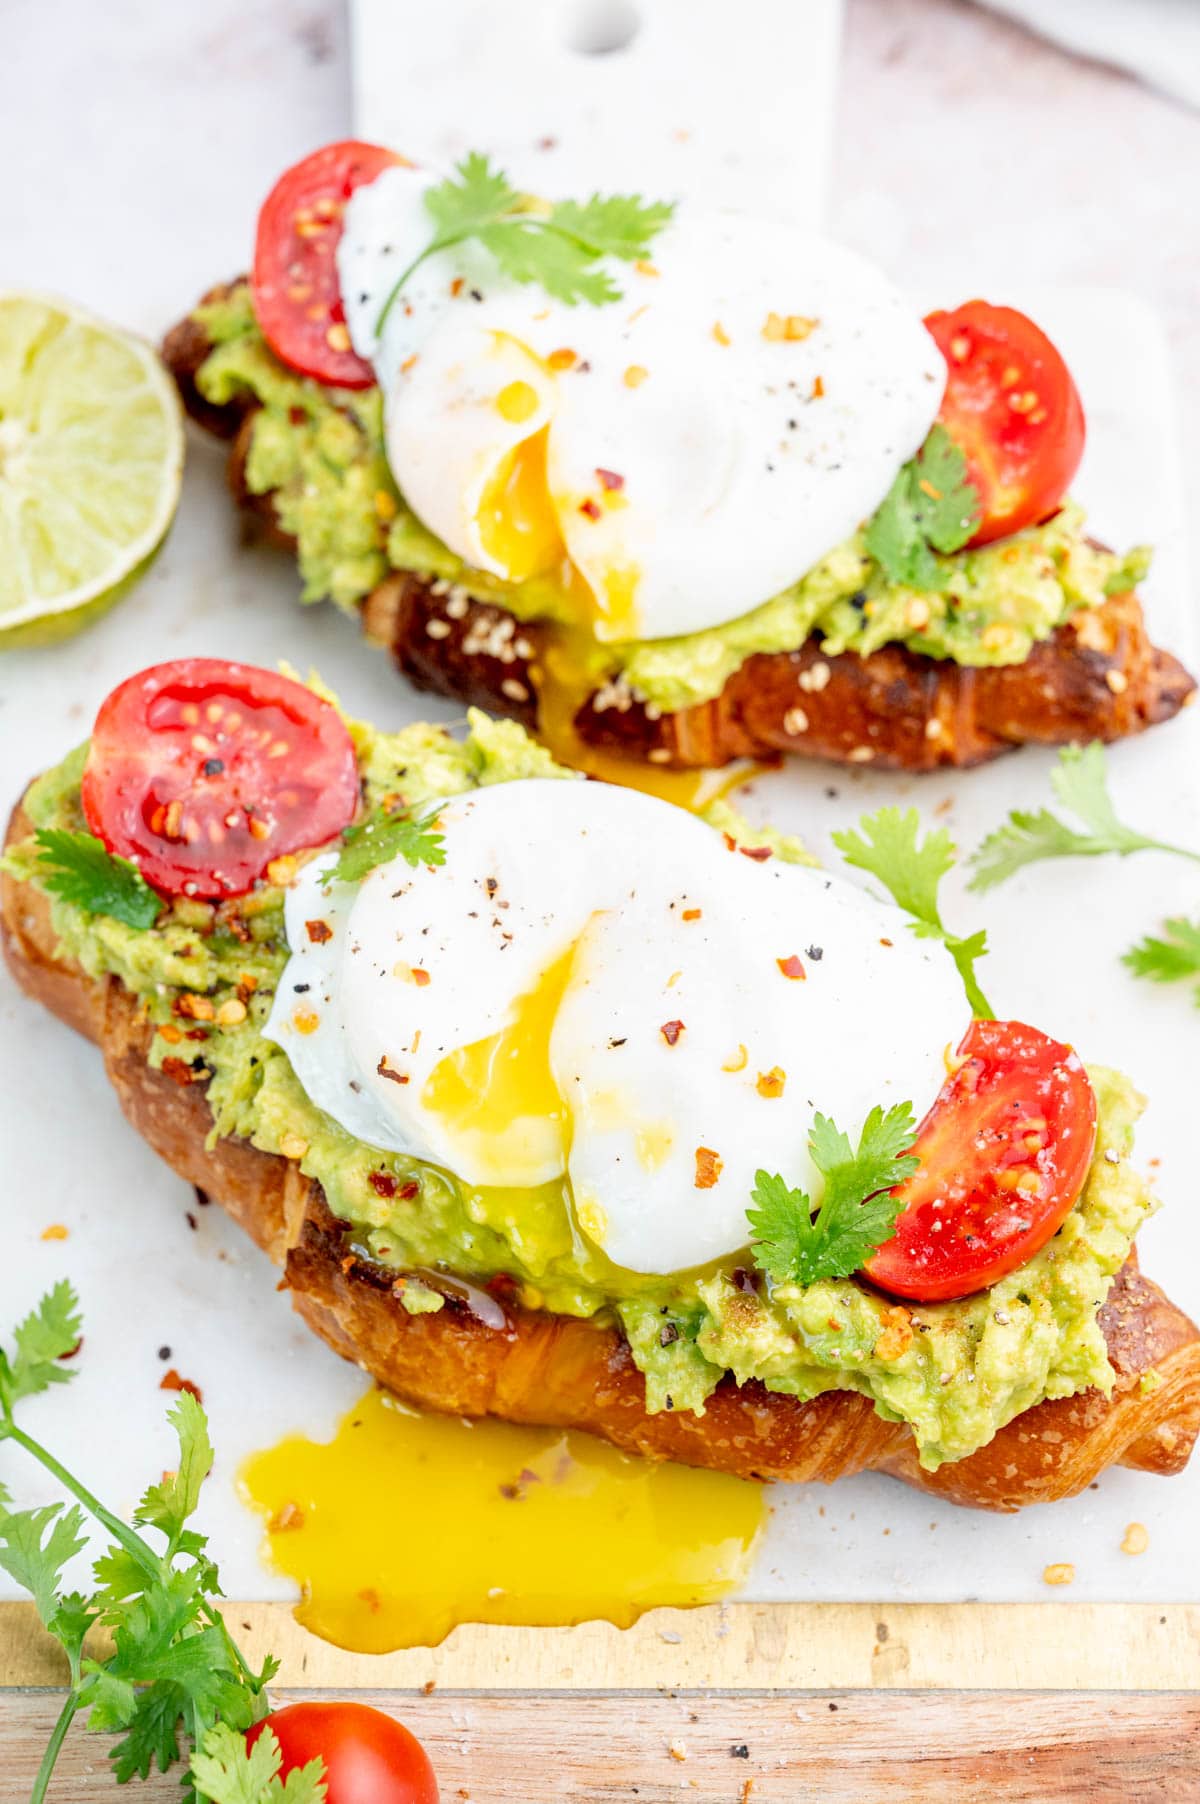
x: 527, y: 1366
x: 1097, y: 677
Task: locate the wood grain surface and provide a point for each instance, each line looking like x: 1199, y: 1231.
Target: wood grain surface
x: 967, y: 1747
x: 796, y: 1647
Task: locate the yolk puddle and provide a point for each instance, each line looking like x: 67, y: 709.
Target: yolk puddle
x: 563, y: 685
x: 404, y: 1525
x: 498, y: 1095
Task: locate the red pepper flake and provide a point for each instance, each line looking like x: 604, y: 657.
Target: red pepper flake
x: 709, y: 1166
x: 885, y: 942
x: 692, y: 914
x: 179, y: 1071
x: 407, y: 1191
x: 420, y: 977
x: 385, y: 1070
x: 792, y: 967
x: 731, y: 844
x: 382, y: 1183
x: 170, y: 1033
x: 670, y: 1031
x: 72, y: 1351
x: 770, y: 1083
x: 318, y: 931
x: 760, y: 854
x: 171, y: 1381
x: 818, y: 389
x: 590, y: 508
x: 456, y: 287
x: 194, y: 1008
x: 287, y: 1517
x: 608, y: 479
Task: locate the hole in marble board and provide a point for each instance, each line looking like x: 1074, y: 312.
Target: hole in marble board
x: 598, y: 27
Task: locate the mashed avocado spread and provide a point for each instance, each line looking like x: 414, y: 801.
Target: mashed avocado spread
x: 956, y: 1372
x: 320, y: 452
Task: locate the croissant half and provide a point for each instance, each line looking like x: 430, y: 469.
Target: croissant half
x: 557, y: 1370
x: 1097, y: 677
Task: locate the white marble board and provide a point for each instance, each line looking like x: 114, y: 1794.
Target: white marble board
x: 148, y: 1279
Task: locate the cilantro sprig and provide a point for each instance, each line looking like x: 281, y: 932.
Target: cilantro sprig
x: 890, y: 849
x: 933, y: 506
x: 1173, y: 959
x: 392, y: 831
x: 1029, y: 836
x: 175, y: 1670
x: 77, y: 867
x: 559, y: 247
x: 1080, y: 782
x: 798, y: 1242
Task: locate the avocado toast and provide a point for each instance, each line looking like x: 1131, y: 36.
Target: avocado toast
x: 734, y: 577
x: 483, y: 1301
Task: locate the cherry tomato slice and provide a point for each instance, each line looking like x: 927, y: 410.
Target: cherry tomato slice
x: 1012, y: 409
x: 1004, y: 1154
x: 201, y: 772
x: 297, y: 299
x: 369, y: 1758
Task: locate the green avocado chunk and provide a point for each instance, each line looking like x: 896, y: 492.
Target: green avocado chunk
x: 320, y: 452
x: 955, y: 1372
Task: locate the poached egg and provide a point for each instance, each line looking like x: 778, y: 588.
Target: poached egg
x: 671, y: 459
x: 596, y: 987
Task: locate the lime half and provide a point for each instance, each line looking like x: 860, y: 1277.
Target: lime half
x: 91, y: 457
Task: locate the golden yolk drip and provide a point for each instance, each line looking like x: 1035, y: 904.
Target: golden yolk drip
x: 517, y: 524
x: 619, y: 610
x: 563, y: 685
x: 404, y: 1525
x: 498, y: 1095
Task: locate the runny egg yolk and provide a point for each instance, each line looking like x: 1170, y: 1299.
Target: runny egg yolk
x: 498, y: 1095
x: 517, y: 523
x: 518, y: 519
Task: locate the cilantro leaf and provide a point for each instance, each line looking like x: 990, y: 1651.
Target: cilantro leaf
x: 77, y: 867
x: 857, y: 1212
x: 1080, y: 782
x: 559, y: 246
x: 388, y: 833
x: 614, y: 225
x: 527, y: 252
x: 473, y: 197
x: 168, y: 1505
x: 1170, y: 959
x: 152, y: 1733
x: 889, y: 848
x: 45, y: 1337
x: 932, y: 506
x: 225, y: 1771
x: 948, y: 509
x: 35, y: 1545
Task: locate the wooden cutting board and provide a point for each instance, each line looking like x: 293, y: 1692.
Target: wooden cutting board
x: 748, y: 1704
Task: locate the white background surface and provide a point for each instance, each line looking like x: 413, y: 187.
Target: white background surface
x: 137, y: 193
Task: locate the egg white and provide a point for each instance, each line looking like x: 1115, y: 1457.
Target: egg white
x: 675, y: 1024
